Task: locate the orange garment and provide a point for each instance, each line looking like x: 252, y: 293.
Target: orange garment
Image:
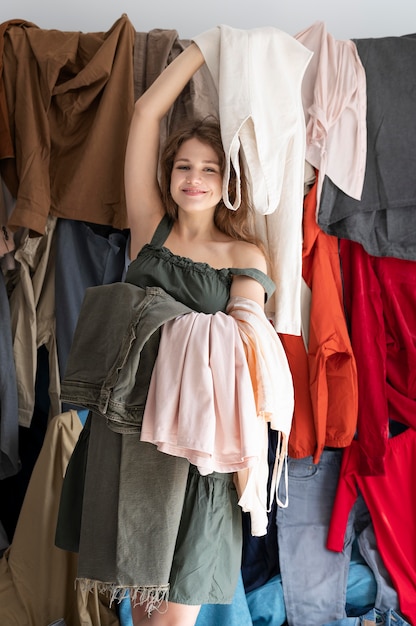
x: 324, y: 374
x: 274, y: 396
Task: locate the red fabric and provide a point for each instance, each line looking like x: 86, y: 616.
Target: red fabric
x: 325, y: 378
x: 390, y: 498
x: 380, y: 298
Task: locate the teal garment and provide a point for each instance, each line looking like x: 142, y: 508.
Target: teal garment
x: 235, y: 614
x: 197, y: 285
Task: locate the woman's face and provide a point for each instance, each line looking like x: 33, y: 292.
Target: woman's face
x: 196, y: 179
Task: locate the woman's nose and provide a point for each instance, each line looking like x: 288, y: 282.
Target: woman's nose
x: 193, y: 177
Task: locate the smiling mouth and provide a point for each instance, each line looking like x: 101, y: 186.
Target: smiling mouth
x: 193, y: 192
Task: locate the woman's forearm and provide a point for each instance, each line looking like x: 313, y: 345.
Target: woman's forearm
x: 162, y: 93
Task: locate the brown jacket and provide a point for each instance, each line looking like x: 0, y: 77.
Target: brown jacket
x: 69, y: 100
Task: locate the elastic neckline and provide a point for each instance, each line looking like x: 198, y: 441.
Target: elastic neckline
x: 161, y: 234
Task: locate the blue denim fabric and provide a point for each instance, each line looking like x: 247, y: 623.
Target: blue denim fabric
x: 113, y: 351
x: 386, y: 595
x: 361, y: 589
x: 266, y: 603
x: 86, y: 256
x: 234, y: 614
x: 374, y: 616
x: 314, y: 578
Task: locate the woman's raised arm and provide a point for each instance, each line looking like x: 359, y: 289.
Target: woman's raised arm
x: 144, y: 204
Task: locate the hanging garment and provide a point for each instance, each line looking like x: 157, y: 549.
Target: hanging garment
x: 324, y: 372
x: 32, y: 317
x: 68, y: 84
x: 380, y: 301
x: 6, y: 140
x: 153, y: 51
x: 335, y: 105
x: 314, y: 579
x: 262, y: 122
x: 7, y: 244
x: 384, y: 220
x: 86, y: 255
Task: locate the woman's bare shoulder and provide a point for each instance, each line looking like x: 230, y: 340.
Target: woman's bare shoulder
x: 246, y: 254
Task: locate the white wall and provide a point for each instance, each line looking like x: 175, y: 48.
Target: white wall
x: 344, y: 19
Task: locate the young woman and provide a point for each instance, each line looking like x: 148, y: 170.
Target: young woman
x: 186, y: 241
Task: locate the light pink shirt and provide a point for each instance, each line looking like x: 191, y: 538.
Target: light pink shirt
x: 217, y: 382
x: 334, y: 95
x: 200, y: 403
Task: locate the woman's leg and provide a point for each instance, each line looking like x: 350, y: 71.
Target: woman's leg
x: 175, y: 615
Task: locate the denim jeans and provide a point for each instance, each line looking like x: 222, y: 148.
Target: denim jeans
x: 266, y: 603
x: 86, y: 256
x: 314, y: 578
